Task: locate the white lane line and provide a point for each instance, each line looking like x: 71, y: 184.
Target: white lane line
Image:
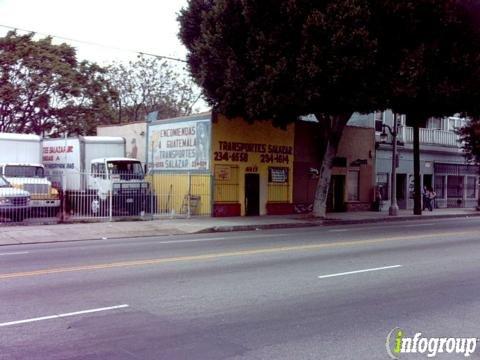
x: 339, y: 230
x: 359, y: 271
x: 15, y: 253
x: 63, y: 315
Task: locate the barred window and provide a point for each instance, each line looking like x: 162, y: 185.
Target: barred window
x: 455, y: 186
x: 471, y: 187
x: 440, y: 186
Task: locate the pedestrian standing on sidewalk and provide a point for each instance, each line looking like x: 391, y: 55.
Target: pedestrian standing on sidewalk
x: 378, y: 199
x: 426, y: 198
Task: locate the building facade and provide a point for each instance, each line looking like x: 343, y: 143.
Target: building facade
x: 229, y: 167
x: 442, y: 163
x: 353, y: 175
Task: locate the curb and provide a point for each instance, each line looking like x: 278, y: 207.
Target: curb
x: 232, y: 228
x: 329, y: 222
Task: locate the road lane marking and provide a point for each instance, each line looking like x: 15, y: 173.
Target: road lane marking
x: 359, y: 271
x: 214, y: 256
x: 63, y: 315
x: 15, y: 253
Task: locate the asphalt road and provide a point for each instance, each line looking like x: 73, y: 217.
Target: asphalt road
x: 315, y: 293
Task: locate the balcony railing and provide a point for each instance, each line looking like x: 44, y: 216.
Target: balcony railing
x: 430, y: 137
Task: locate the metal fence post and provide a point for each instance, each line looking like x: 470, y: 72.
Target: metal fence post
x: 189, y: 194
x: 63, y: 190
x: 212, y: 194
x: 151, y: 192
x: 110, y: 205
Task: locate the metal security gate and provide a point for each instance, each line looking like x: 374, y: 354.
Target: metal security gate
x: 159, y: 194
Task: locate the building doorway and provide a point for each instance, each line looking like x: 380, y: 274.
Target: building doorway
x: 402, y: 191
x: 252, y: 194
x: 427, y: 181
x: 336, y: 194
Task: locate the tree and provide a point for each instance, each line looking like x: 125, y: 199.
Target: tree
x: 277, y: 60
x: 432, y: 52
x: 149, y: 84
x: 45, y: 90
x: 470, y: 137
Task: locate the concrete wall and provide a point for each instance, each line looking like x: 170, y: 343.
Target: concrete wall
x: 134, y: 134
x: 357, y: 146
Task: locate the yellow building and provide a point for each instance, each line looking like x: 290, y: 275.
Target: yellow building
x: 253, y: 167
x: 227, y: 166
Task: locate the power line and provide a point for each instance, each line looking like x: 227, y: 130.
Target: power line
x: 94, y: 44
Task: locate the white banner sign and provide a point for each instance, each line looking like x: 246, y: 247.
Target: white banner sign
x: 180, y: 145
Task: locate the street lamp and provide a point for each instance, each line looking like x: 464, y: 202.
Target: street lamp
x: 393, y: 209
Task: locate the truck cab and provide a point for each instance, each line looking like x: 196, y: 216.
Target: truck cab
x: 30, y: 177
x: 119, y: 181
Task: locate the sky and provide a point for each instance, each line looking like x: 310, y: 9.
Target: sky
x: 148, y: 26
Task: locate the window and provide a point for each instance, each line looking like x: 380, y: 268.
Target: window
x: 378, y: 116
x: 123, y: 169
x: 440, y: 186
x: 455, y: 123
x: 24, y: 171
x: 353, y: 180
x: 455, y: 186
x: 435, y: 124
x: 278, y: 184
x: 382, y: 185
x: 471, y: 187
x: 400, y: 120
x: 98, y: 170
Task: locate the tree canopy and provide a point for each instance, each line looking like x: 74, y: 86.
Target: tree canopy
x: 45, y: 90
x: 431, y: 54
x: 279, y: 59
x: 150, y: 84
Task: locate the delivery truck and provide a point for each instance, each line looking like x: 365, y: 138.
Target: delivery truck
x: 21, y: 165
x: 96, y: 177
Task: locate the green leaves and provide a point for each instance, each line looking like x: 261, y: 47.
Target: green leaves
x: 44, y: 90
x: 281, y: 59
x: 149, y: 84
x: 284, y: 58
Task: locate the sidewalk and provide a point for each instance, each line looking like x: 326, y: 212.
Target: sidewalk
x: 29, y: 234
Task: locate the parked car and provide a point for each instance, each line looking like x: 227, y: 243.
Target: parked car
x: 14, y: 203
